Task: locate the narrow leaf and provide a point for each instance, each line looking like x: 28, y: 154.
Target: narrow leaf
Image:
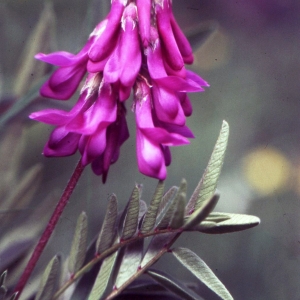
x: 201, y: 213
x: 79, y: 244
x: 157, y: 243
x: 122, y: 216
x: 199, y: 268
x: 207, y: 185
x: 151, y: 214
x: 173, y: 285
x: 166, y: 208
x: 49, y: 279
x: 3, y: 278
x: 178, y: 215
x: 131, y: 219
x: 167, y: 197
x: 237, y: 222
x: 108, y: 229
x: 103, y: 276
x: 130, y: 262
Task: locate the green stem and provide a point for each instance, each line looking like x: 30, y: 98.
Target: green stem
x: 49, y: 229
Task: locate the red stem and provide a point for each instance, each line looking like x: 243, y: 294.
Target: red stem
x: 49, y: 228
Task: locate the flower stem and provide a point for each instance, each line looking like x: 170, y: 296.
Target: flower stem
x: 49, y: 228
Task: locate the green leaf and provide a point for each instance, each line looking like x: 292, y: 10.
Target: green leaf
x: 79, y: 244
x: 122, y: 216
x: 236, y: 222
x: 202, y: 212
x: 207, y: 185
x: 49, y: 280
x: 199, y: 268
x: 103, y: 276
x: 157, y: 243
x: 132, y: 215
x: 130, y: 262
x: 178, y: 214
x: 108, y: 229
x: 217, y: 217
x: 166, y: 208
x: 151, y: 214
x: 173, y: 285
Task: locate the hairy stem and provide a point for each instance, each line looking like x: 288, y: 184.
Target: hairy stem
x: 49, y: 228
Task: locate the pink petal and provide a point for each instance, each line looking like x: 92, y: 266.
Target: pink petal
x: 191, y: 76
x: 150, y: 158
x: 94, y: 146
x: 61, y: 143
x: 99, y: 115
x: 182, y: 42
x: 144, y: 13
x: 105, y: 42
x: 186, y: 105
x: 125, y: 62
x: 161, y: 136
x: 171, y: 51
x: 178, y: 84
x: 167, y: 105
x: 63, y: 82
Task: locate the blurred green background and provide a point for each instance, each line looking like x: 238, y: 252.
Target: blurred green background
x: 252, y: 63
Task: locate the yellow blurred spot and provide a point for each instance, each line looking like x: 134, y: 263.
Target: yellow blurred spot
x: 267, y: 170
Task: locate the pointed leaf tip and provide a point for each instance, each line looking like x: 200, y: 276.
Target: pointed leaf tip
x: 79, y: 244
x: 49, y: 280
x: 132, y: 215
x: 208, y: 183
x: 108, y: 229
x: 199, y: 268
x: 151, y: 214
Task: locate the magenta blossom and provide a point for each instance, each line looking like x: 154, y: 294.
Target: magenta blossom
x: 139, y: 47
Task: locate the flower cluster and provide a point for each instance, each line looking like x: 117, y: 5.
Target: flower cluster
x: 139, y: 47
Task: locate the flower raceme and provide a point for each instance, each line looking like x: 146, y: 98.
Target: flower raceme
x: 139, y: 47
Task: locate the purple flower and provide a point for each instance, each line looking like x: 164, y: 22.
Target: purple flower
x: 139, y: 47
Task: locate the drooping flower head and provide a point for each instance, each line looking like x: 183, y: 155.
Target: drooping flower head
x: 139, y: 47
